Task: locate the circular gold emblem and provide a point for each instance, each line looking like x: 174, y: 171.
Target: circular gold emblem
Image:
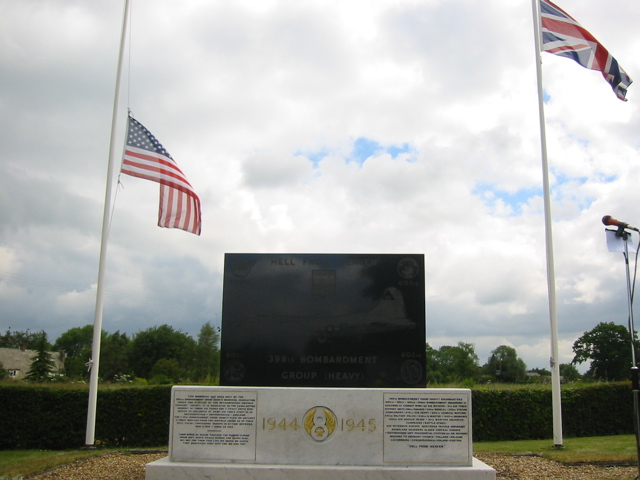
x: 319, y: 423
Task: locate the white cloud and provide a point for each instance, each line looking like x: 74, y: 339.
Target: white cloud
x: 261, y: 104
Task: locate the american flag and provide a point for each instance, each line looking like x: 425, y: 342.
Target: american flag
x: 563, y: 36
x: 145, y: 157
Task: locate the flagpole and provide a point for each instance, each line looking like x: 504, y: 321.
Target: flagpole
x: 94, y: 362
x: 551, y: 281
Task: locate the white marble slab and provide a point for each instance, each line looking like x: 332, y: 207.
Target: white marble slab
x: 321, y: 426
x: 164, y: 469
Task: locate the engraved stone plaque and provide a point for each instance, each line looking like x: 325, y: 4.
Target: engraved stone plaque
x: 216, y: 425
x: 416, y: 424
x: 321, y: 426
x: 324, y: 320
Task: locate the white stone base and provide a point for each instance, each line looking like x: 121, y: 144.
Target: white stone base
x: 164, y: 469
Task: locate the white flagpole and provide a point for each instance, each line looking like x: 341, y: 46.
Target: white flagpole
x: 94, y: 362
x: 551, y: 280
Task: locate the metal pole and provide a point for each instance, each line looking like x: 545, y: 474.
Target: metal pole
x: 625, y: 237
x: 635, y: 383
x: 556, y: 397
x: 94, y: 363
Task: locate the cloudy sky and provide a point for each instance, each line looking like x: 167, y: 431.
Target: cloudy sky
x: 319, y: 126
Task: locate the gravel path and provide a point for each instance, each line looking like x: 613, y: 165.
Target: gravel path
x: 537, y: 468
x: 131, y: 467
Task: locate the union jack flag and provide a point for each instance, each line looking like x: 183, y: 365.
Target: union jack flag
x: 145, y: 157
x: 562, y: 35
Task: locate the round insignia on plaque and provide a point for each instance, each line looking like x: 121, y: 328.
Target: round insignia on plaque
x: 411, y: 371
x: 319, y: 423
x: 242, y: 268
x: 408, y: 268
x: 234, y: 371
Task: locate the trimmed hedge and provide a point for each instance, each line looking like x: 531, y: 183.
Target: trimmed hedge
x: 526, y: 414
x: 34, y: 417
x: 40, y: 417
x: 144, y: 411
x: 56, y: 418
x: 599, y: 410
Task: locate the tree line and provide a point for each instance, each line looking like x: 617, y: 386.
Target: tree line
x: 460, y: 364
x: 608, y: 348
x: 163, y: 354
x: 158, y: 354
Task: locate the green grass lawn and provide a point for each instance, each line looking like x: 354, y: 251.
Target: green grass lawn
x: 618, y: 448
x: 20, y: 463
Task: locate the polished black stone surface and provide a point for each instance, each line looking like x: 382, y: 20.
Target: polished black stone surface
x: 325, y: 320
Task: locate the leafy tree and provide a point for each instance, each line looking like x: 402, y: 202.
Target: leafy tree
x: 608, y: 347
x: 76, y: 344
x: 433, y: 375
x: 505, y: 366
x: 42, y: 365
x: 207, y: 363
x: 114, y: 355
x: 458, y: 362
x: 18, y: 339
x: 569, y: 373
x: 149, y: 346
x: 74, y: 341
x: 3, y: 372
x: 452, y: 363
x: 166, y: 370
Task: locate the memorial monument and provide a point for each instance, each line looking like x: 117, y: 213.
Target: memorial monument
x: 322, y: 373
x: 323, y: 320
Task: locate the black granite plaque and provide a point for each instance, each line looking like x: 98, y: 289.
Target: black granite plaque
x: 325, y: 320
